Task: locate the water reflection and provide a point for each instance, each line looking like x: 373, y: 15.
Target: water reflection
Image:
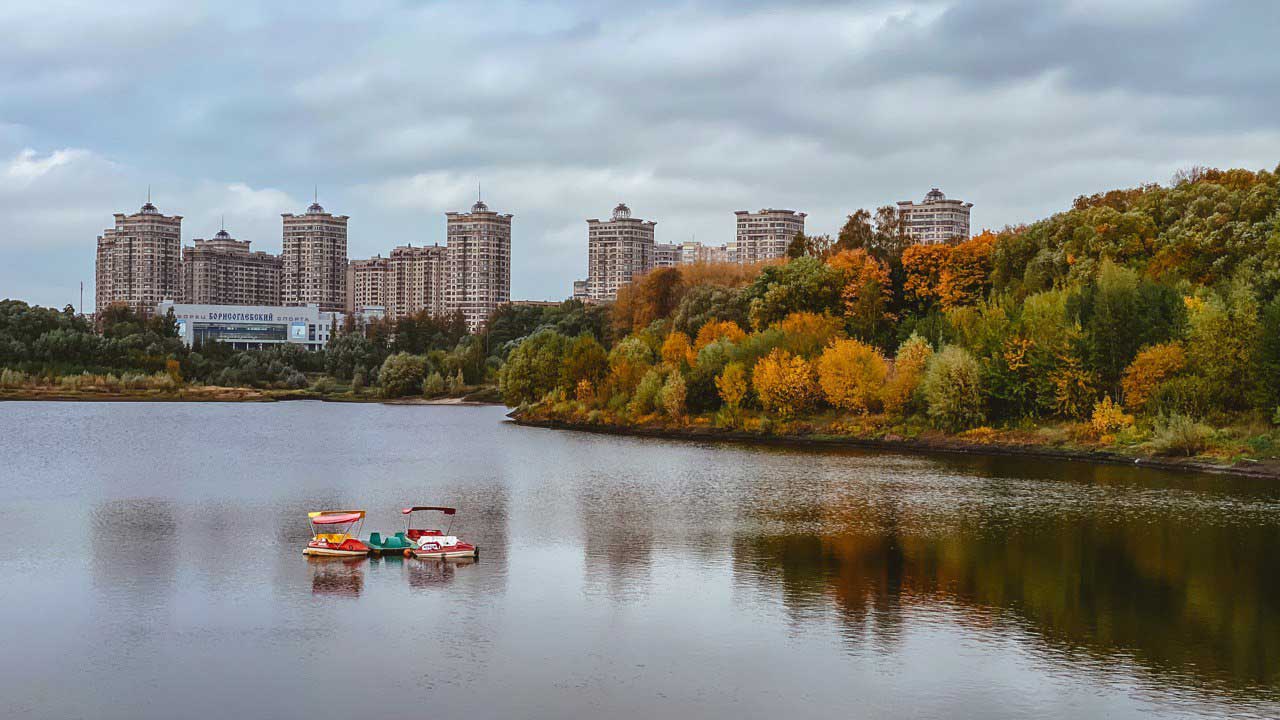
x: 135, y: 546
x: 337, y: 576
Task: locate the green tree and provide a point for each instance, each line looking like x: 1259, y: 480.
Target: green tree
x: 533, y: 368
x: 953, y: 389
x: 402, y: 374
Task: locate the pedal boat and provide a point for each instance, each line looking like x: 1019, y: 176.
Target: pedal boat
x: 431, y: 543
x: 392, y: 545
x: 333, y: 534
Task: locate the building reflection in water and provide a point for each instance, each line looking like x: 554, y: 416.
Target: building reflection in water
x: 618, y: 538
x: 337, y: 576
x: 135, y: 552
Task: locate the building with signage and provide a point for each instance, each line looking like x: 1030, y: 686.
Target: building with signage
x: 253, y: 327
x: 223, y: 271
x: 936, y: 219
x: 139, y: 260
x: 764, y: 235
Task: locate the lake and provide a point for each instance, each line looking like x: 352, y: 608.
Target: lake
x: 154, y: 570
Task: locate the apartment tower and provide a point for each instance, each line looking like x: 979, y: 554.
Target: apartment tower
x: 936, y: 219
x: 223, y: 271
x: 315, y: 259
x: 618, y: 249
x: 139, y: 261
x: 478, y: 263
x: 764, y: 235
x: 370, y: 283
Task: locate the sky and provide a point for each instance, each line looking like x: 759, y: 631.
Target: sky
x: 686, y: 111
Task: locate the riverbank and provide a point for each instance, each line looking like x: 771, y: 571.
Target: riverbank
x: 986, y: 441
x: 212, y: 393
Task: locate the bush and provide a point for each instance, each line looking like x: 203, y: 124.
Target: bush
x: 1178, y: 434
x: 13, y: 378
x: 402, y: 374
x: 323, y: 384
x: 784, y: 383
x: 1188, y: 395
x: 852, y: 374
x: 905, y: 376
x: 1108, y: 418
x: 953, y: 389
x: 433, y: 386
x: 645, y: 399
x: 731, y: 385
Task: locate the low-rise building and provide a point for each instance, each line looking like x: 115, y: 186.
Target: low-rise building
x: 253, y: 327
x: 936, y: 219
x: 666, y: 255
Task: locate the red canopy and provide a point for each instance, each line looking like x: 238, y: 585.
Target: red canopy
x: 336, y: 519
x: 445, y: 510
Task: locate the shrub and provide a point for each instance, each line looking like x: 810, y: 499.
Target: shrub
x: 401, y: 374
x: 1151, y: 367
x: 1178, y: 434
x: 323, y: 384
x: 584, y: 392
x: 13, y: 378
x: 784, y: 383
x: 852, y: 374
x: 433, y: 386
x: 645, y: 398
x: 732, y: 386
x: 672, y: 395
x: 906, y: 375
x: 358, y: 381
x: 953, y: 389
x: 1108, y: 418
x: 1187, y: 395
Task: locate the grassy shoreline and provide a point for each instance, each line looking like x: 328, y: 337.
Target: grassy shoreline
x: 211, y: 393
x: 1008, y: 444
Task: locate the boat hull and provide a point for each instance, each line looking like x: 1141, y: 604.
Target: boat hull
x: 333, y: 552
x: 446, y: 554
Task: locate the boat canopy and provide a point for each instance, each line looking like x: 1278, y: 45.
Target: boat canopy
x: 445, y: 510
x: 335, y: 517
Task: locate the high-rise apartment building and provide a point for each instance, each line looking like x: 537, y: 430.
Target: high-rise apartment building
x: 478, y: 267
x: 618, y: 249
x: 139, y: 261
x: 695, y: 252
x: 370, y: 283
x: 666, y: 255
x: 764, y: 235
x: 223, y: 271
x: 418, y: 279
x: 936, y: 219
x: 315, y: 259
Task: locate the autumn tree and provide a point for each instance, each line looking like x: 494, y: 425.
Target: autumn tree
x: 851, y: 375
x: 784, y: 383
x: 905, y: 375
x: 629, y: 360
x: 891, y: 236
x: 805, y: 334
x: 648, y: 297
x: 677, y: 351
x: 867, y: 293
x: 717, y: 330
x: 922, y: 267
x: 953, y: 389
x: 1150, y: 368
x: 672, y: 396
x: 965, y: 278
x: 856, y: 234
x: 732, y: 385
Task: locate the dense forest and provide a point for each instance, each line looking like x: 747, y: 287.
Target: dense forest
x: 1141, y: 317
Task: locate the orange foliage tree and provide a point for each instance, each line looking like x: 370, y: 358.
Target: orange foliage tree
x: 965, y: 278
x: 784, y: 383
x: 851, y: 375
x: 1151, y: 367
x: 868, y: 290
x: 717, y: 330
x: 677, y: 351
x: 922, y: 266
x: 648, y: 297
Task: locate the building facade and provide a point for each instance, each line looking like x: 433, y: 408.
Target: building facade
x: 478, y: 263
x: 936, y: 219
x: 618, y: 249
x: 418, y: 278
x: 315, y: 259
x: 223, y: 271
x: 139, y: 260
x: 695, y: 252
x: 370, y: 283
x: 666, y: 255
x: 253, y: 327
x: 764, y: 235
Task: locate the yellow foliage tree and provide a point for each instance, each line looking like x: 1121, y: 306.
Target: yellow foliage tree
x: 868, y: 290
x: 677, y: 351
x: 906, y: 374
x: 732, y: 385
x: 1108, y: 418
x: 852, y: 374
x: 1151, y: 367
x: 717, y: 330
x: 806, y: 334
x: 784, y: 383
x: 922, y: 266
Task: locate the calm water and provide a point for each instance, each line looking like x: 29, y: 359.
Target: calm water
x: 154, y: 570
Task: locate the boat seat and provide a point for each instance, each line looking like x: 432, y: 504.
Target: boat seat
x: 375, y: 538
x: 442, y: 540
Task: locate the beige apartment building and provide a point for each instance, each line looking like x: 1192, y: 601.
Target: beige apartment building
x: 139, y: 261
x: 764, y: 235
x: 223, y: 271
x: 370, y: 283
x: 936, y: 219
x: 478, y: 263
x: 618, y: 249
x: 315, y: 259
x: 695, y: 252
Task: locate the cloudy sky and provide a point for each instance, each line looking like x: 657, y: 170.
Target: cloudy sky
x: 686, y: 111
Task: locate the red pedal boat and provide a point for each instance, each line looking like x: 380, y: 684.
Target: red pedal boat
x: 430, y: 543
x: 333, y: 534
